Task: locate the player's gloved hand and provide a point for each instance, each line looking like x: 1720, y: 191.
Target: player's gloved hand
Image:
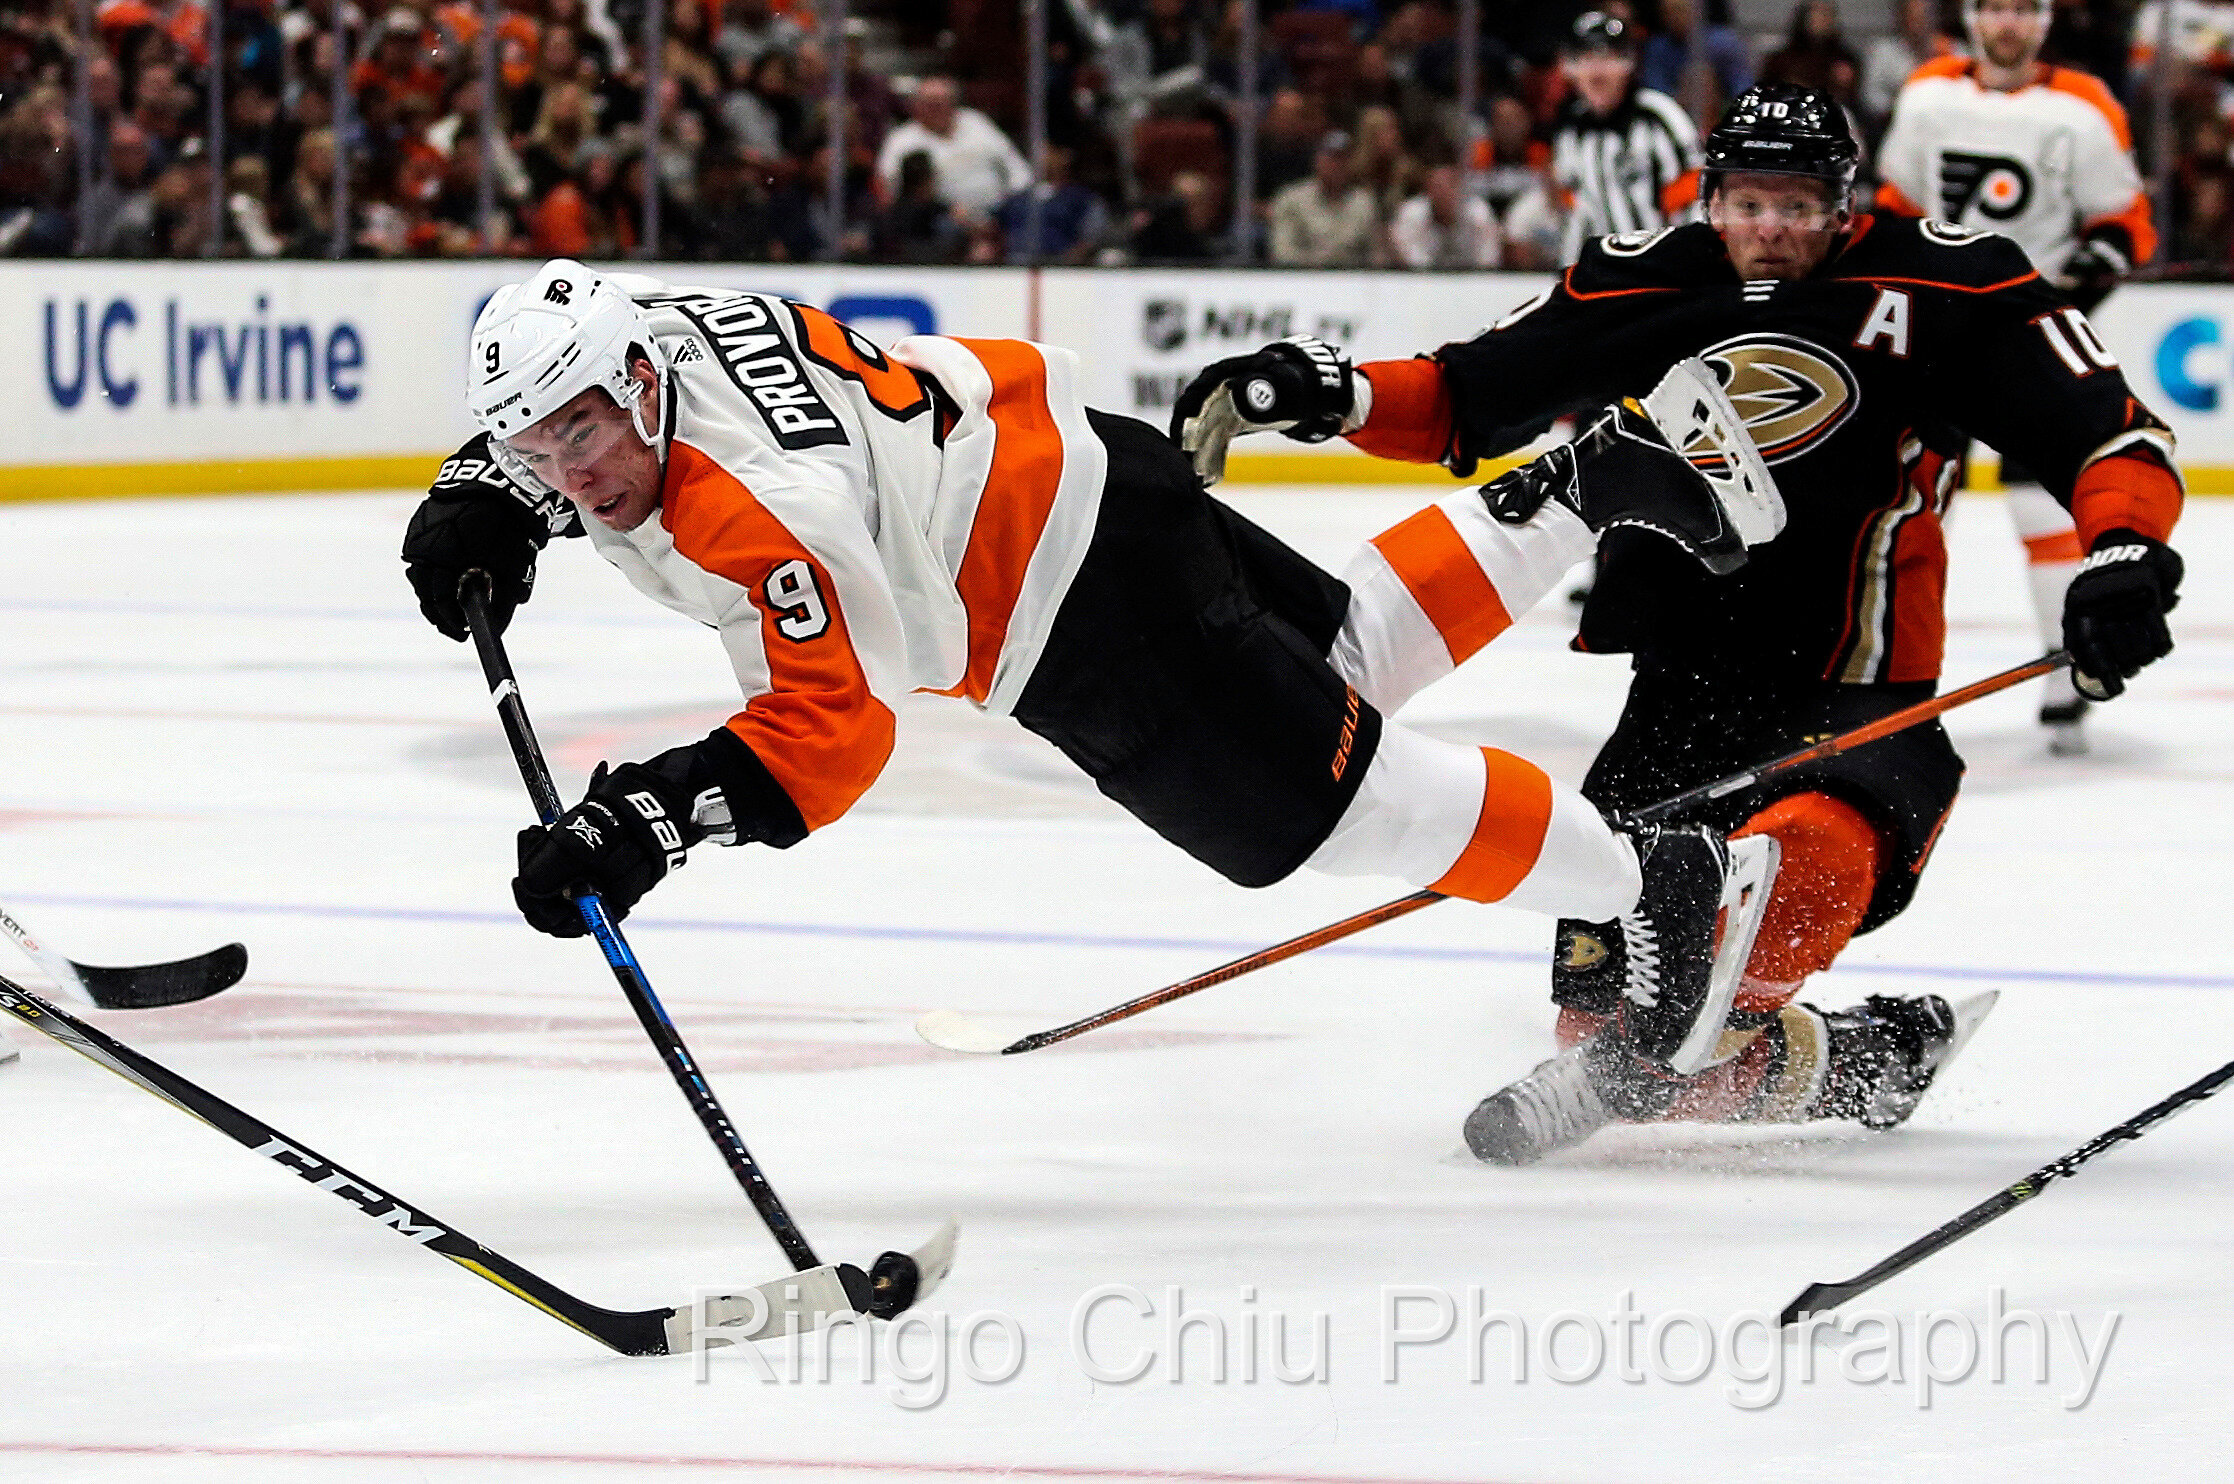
x: 453, y: 533
x: 631, y: 828
x: 2093, y: 269
x: 1300, y: 386
x: 2113, y: 612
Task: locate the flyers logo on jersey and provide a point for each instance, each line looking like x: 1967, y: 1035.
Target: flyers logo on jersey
x: 2001, y: 188
x: 1792, y: 394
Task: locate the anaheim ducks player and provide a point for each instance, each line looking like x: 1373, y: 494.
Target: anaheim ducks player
x: 2043, y: 155
x: 949, y: 517
x: 1860, y: 351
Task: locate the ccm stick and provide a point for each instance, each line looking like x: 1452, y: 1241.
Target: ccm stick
x: 954, y: 1031
x: 896, y: 1279
x: 1818, y: 1298
x: 798, y: 1303
x: 138, y: 986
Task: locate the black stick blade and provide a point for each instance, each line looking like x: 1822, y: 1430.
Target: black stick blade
x: 152, y: 986
x: 1818, y: 1298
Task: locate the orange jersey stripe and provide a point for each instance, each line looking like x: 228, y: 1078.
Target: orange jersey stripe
x: 1509, y: 835
x: 1411, y: 414
x: 819, y: 731
x: 1019, y: 493
x: 1445, y: 579
x: 2125, y: 490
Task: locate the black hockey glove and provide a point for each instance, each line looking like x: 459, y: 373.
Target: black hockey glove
x: 2092, y: 270
x: 2113, y: 612
x: 631, y: 828
x: 1300, y: 386
x: 475, y: 516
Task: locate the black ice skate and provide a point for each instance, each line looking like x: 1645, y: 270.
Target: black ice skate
x: 2065, y: 721
x: 1678, y: 463
x: 1685, y: 944
x: 1886, y: 1051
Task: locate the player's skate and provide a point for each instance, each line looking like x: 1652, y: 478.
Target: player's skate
x: 2063, y: 714
x: 1679, y: 463
x: 1555, y: 1107
x: 1886, y: 1051
x: 1685, y: 944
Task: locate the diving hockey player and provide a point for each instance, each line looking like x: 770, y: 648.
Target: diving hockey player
x: 2006, y: 143
x: 949, y: 517
x: 1860, y: 351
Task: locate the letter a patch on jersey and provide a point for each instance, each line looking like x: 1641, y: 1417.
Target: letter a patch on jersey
x: 1887, y: 322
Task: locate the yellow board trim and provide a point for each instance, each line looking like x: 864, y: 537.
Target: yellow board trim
x: 218, y: 477
x: 416, y: 471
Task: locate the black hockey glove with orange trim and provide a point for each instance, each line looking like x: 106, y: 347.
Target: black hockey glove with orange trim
x: 2113, y: 612
x: 631, y: 828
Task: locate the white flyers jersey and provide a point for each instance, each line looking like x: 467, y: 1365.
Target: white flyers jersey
x: 2043, y: 164
x: 859, y: 524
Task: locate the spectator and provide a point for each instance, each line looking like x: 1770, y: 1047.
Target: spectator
x: 1072, y: 219
x: 1890, y: 59
x: 1287, y: 138
x: 875, y: 106
x: 764, y: 117
x: 1702, y: 67
x: 1185, y: 226
x: 750, y: 29
x: 1444, y: 227
x: 248, y: 207
x: 184, y: 227
x: 1327, y: 220
x: 1509, y: 159
x: 1382, y: 164
x: 118, y: 219
x: 397, y: 64
x: 1815, y: 55
x: 972, y: 162
x: 919, y: 226
x: 310, y: 197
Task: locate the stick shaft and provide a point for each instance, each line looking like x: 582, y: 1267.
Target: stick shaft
x: 642, y: 1333
x: 1248, y: 964
x: 1822, y: 1296
x: 504, y: 688
x: 1884, y: 726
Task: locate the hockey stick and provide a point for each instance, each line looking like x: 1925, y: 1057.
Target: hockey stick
x: 139, y: 986
x: 800, y: 1302
x: 954, y: 1031
x: 1819, y: 1298
x: 897, y: 1279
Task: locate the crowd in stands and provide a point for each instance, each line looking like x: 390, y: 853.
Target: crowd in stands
x: 1363, y: 154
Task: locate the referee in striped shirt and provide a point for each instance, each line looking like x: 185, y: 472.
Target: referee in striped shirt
x: 1625, y: 158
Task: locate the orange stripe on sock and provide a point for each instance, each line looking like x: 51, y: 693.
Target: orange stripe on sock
x: 2056, y: 546
x: 1444, y: 579
x: 1509, y: 835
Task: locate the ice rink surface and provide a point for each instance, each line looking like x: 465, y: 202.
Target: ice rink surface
x: 226, y: 720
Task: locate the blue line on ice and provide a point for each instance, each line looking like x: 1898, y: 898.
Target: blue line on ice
x: 900, y: 934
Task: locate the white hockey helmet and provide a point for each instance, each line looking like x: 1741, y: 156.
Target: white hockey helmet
x: 540, y: 344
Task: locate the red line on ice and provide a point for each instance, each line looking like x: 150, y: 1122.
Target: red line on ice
x: 640, y: 1460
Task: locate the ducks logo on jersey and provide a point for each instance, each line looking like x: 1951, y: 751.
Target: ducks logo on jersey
x: 1791, y: 392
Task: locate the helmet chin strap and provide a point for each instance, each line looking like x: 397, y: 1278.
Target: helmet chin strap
x: 654, y: 438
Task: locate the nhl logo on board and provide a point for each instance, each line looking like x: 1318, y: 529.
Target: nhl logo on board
x: 1163, y: 323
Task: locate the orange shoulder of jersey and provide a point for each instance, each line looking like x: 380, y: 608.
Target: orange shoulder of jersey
x: 1950, y: 65
x: 2090, y: 90
x: 817, y: 728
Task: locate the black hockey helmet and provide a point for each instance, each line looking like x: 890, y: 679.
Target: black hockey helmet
x: 1596, y: 31
x: 1782, y: 128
